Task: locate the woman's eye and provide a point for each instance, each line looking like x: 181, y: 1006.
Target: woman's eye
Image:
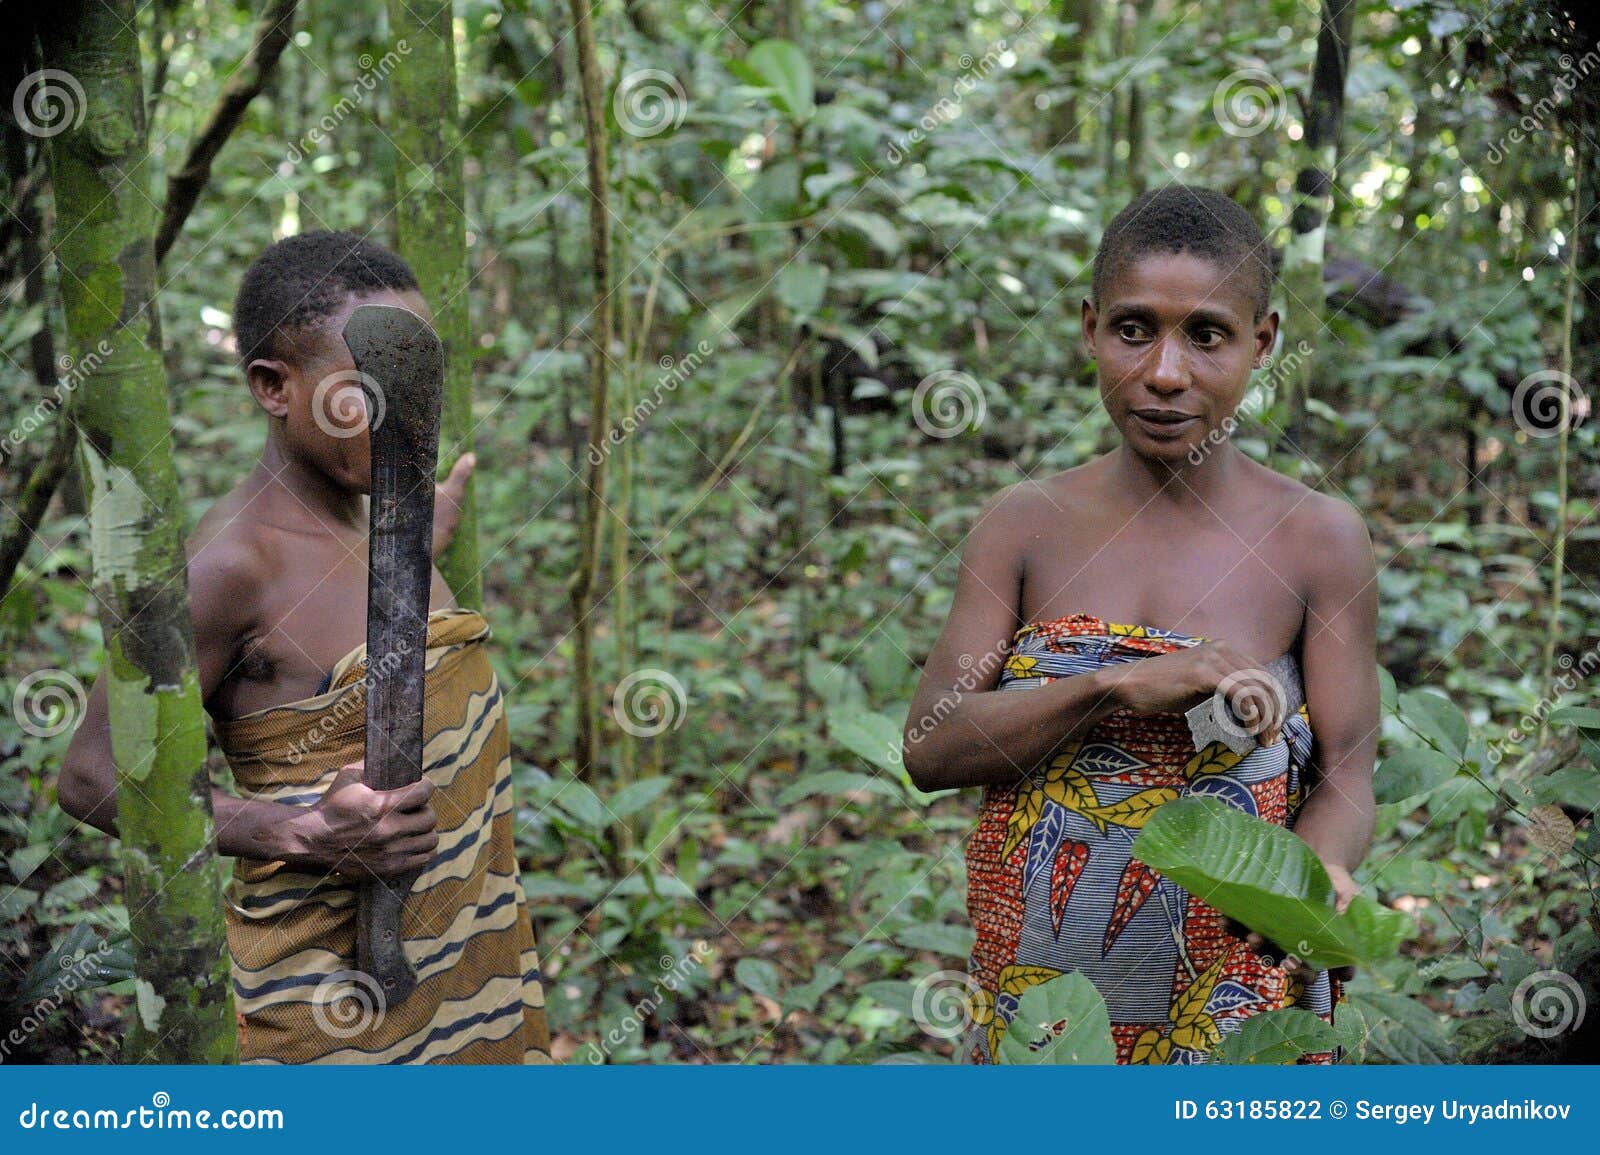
x: 1208, y: 338
x: 1128, y: 331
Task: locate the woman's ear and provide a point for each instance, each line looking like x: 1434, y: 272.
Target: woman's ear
x: 1266, y: 336
x: 269, y: 385
x: 1090, y: 320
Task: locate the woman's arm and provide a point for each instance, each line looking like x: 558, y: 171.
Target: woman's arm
x: 1339, y: 661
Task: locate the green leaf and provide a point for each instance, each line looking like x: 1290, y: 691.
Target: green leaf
x: 782, y: 67
x: 25, y: 861
x: 835, y: 782
x: 801, y: 286
x: 582, y: 804
x: 1583, y: 717
x: 1276, y: 1037
x: 1437, y: 719
x: 955, y: 941
x: 1061, y: 1021
x: 635, y: 796
x: 873, y: 736
x: 757, y: 976
x: 1268, y: 879
x: 1409, y: 773
x: 1398, y: 1028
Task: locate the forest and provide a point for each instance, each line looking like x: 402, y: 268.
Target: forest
x: 748, y: 309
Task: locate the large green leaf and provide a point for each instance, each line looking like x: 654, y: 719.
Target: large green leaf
x: 1061, y: 1021
x: 1269, y: 880
x: 782, y: 67
x: 1412, y: 772
x: 1276, y: 1037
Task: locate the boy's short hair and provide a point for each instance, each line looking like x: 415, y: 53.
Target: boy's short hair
x: 303, y: 279
x: 1181, y: 218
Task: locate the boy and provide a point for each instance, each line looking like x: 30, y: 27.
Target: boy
x: 1108, y: 589
x: 278, y: 591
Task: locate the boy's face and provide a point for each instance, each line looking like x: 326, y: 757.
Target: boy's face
x: 1175, y: 340
x: 317, y: 393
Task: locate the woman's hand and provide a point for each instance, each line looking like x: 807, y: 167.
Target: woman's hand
x: 447, y: 496
x: 1175, y: 682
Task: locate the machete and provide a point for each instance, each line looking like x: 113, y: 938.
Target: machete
x: 401, y: 365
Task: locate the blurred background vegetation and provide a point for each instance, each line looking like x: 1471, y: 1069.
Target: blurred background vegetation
x: 782, y: 531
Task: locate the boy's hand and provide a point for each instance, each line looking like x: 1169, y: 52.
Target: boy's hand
x: 364, y: 833
x: 447, y: 496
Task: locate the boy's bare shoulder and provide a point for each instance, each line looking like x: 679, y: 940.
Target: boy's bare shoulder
x: 229, y: 562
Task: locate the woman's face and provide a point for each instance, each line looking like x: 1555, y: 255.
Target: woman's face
x: 1175, y: 341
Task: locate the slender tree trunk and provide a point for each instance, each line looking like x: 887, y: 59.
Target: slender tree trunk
x: 1313, y: 200
x: 105, y: 228
x: 430, y: 196
x: 1563, y: 433
x: 1069, y: 52
x: 583, y: 580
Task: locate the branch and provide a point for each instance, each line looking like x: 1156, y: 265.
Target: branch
x: 272, y: 35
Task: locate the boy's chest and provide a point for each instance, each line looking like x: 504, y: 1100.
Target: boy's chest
x: 312, y: 615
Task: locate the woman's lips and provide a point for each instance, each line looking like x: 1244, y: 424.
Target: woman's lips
x: 1163, y: 428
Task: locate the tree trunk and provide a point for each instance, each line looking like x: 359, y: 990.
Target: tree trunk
x: 582, y: 588
x: 105, y: 228
x: 1313, y: 201
x: 1069, y: 53
x: 430, y: 194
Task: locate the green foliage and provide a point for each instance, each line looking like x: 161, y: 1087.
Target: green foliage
x: 1268, y: 879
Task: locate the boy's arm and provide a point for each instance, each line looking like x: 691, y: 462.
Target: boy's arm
x: 352, y: 829
x: 1341, y: 680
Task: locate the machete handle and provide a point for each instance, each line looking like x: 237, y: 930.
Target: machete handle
x: 380, y: 951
